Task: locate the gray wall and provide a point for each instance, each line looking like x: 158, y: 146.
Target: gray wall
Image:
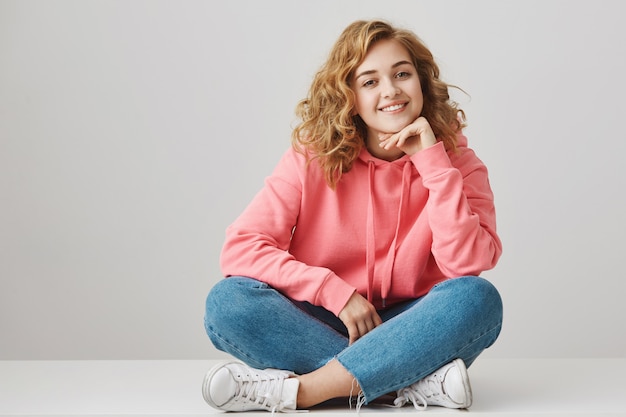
x: 133, y: 132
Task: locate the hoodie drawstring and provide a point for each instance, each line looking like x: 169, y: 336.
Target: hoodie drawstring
x: 370, y: 254
x: 387, y: 267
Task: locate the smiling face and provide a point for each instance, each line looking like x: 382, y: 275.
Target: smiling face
x: 388, y: 94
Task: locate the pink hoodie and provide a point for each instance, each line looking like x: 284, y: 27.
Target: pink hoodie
x: 391, y: 230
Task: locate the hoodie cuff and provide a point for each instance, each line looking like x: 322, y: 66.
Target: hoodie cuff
x: 430, y: 161
x: 334, y: 294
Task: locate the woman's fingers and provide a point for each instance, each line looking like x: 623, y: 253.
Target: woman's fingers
x: 359, y: 316
x: 411, y: 139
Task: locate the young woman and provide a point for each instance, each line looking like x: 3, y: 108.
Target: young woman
x: 354, y: 271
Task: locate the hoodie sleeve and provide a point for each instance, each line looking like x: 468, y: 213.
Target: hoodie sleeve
x: 257, y: 242
x: 460, y: 208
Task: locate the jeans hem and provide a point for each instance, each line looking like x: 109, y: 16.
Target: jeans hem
x: 409, y: 381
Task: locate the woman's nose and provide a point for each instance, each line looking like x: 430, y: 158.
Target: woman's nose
x: 390, y: 89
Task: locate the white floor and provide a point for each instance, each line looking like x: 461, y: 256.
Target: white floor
x: 514, y: 388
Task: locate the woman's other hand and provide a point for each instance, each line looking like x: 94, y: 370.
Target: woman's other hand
x: 359, y: 316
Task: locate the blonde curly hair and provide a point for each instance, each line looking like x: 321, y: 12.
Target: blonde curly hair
x: 329, y: 129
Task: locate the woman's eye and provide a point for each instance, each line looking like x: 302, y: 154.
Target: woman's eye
x: 369, y: 83
x: 403, y: 74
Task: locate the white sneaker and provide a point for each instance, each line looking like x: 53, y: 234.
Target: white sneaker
x: 448, y: 387
x: 233, y: 386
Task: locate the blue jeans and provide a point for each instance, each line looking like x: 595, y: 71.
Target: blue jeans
x: 257, y: 324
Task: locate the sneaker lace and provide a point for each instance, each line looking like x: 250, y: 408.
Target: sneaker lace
x: 263, y: 389
x: 411, y: 395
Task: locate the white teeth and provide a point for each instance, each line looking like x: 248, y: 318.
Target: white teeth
x: 392, y: 108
